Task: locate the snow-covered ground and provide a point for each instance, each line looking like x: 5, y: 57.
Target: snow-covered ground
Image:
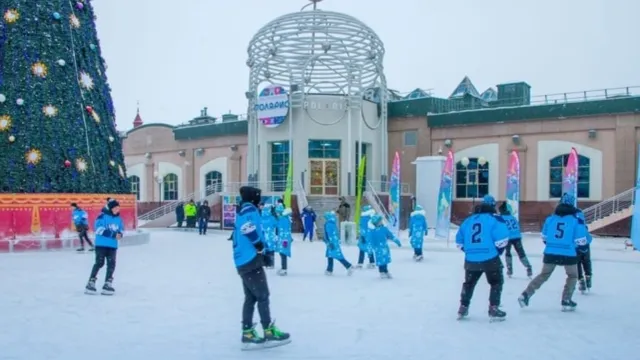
x: 179, y: 298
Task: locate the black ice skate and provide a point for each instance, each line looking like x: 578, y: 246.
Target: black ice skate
x: 80, y: 250
x: 523, y: 300
x: 251, y: 340
x: 495, y: 314
x: 582, y: 286
x: 463, y: 312
x: 91, y: 248
x: 529, y: 272
x: 588, y: 282
x: 107, y: 289
x: 509, y: 271
x: 282, y: 272
x: 568, y: 305
x: 275, y: 337
x: 90, y: 289
x: 385, y: 275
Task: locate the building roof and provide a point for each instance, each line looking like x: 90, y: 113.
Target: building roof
x: 465, y: 87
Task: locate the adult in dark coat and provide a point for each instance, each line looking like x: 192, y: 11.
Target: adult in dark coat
x: 180, y: 214
x: 204, y: 215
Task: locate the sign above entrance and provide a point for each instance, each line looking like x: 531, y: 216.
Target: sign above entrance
x: 340, y: 105
x: 273, y: 106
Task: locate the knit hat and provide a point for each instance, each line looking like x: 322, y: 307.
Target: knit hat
x: 112, y: 203
x: 568, y: 199
x: 74, y: 205
x: 489, y: 200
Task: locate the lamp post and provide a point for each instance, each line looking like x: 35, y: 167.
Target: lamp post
x: 159, y: 181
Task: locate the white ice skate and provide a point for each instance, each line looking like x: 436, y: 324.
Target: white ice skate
x: 419, y: 258
x: 328, y: 273
x: 350, y: 271
x: 282, y: 272
x: 359, y: 266
x: 385, y: 275
x: 371, y: 266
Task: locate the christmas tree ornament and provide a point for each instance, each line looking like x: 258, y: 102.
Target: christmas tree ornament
x: 121, y: 171
x: 33, y: 156
x: 92, y: 47
x: 67, y: 163
x: 95, y: 116
x: 86, y: 81
x: 81, y: 165
x: 111, y: 139
x: 12, y: 138
x: 20, y: 102
x: 112, y: 163
x: 56, y: 15
x: 11, y: 16
x: 74, y: 21
x: 61, y: 62
x: 2, y: 98
x: 50, y: 110
x: 39, y: 69
x: 79, y: 5
x: 89, y: 109
x: 5, y: 122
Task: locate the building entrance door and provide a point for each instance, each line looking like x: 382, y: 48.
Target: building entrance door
x: 325, y: 177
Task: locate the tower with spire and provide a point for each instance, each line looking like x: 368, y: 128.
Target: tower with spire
x: 138, y: 120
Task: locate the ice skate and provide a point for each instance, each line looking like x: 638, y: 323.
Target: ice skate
x: 529, y: 272
x: 107, y: 289
x: 495, y: 314
x: 251, y: 340
x: 282, y: 272
x: 328, y: 273
x: 523, y: 300
x: 568, y: 305
x: 509, y: 272
x: 275, y: 337
x: 92, y: 249
x: 582, y: 286
x: 80, y: 250
x: 359, y: 266
x: 419, y: 258
x: 350, y: 271
x: 385, y: 275
x: 371, y: 266
x: 90, y: 289
x: 588, y: 282
x: 463, y: 312
x: 415, y: 257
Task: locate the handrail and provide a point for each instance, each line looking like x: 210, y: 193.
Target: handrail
x: 378, y: 201
x: 172, y: 204
x: 610, y: 206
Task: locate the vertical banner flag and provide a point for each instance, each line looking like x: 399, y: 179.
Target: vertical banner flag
x: 635, y: 226
x: 570, y: 176
x: 513, y: 184
x: 359, y: 190
x: 443, y: 222
x: 394, y: 196
x: 289, y: 189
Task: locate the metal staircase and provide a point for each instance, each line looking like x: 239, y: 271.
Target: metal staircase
x: 170, y: 207
x: 374, y: 200
x: 320, y: 205
x: 610, y: 211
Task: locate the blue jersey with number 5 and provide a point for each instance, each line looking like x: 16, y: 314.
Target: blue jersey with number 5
x: 513, y: 226
x: 481, y: 235
x: 562, y: 234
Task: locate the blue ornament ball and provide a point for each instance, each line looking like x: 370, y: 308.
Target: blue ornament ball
x: 92, y: 47
x: 56, y: 15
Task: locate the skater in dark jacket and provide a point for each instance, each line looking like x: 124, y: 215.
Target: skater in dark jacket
x: 585, y: 270
x: 515, y: 241
x: 308, y: 223
x: 180, y: 214
x: 81, y: 222
x: 109, y: 231
x: 248, y: 249
x: 204, y: 215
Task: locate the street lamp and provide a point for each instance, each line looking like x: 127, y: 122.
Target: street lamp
x: 159, y: 181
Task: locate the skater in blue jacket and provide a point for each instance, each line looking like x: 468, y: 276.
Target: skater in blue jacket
x: 283, y: 244
x: 269, y: 226
x: 417, y: 230
x: 378, y: 237
x: 332, y: 240
x: 81, y: 222
x: 515, y: 240
x: 363, y: 245
x: 308, y: 222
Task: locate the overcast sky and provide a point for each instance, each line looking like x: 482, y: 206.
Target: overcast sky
x: 176, y: 57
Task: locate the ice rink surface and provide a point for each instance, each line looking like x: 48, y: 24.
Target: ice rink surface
x: 179, y: 298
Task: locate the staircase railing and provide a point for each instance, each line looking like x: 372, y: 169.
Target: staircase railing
x: 376, y: 202
x: 384, y: 186
x: 301, y: 196
x: 173, y: 204
x: 609, y: 206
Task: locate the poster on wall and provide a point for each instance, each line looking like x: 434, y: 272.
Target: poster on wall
x: 229, y: 204
x: 272, y: 106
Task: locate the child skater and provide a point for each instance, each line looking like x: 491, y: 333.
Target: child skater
x: 109, y: 231
x: 378, y: 236
x: 283, y: 245
x: 81, y: 222
x: 515, y: 241
x: 332, y: 240
x: 363, y: 244
x: 585, y: 269
x: 309, y: 223
x: 417, y: 230
x: 269, y: 226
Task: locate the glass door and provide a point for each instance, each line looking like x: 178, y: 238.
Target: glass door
x: 325, y: 177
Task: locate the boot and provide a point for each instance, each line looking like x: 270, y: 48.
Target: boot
x: 276, y: 337
x: 90, y: 289
x: 588, y: 282
x: 523, y: 300
x: 495, y: 314
x: 568, y: 305
x: 250, y: 338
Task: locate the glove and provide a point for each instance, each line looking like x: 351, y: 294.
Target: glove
x: 398, y: 243
x: 285, y: 243
x: 501, y: 250
x: 583, y: 249
x: 267, y: 261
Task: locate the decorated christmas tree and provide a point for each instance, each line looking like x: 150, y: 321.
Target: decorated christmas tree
x: 57, y: 119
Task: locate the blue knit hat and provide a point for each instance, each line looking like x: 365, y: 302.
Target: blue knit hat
x: 489, y: 200
x: 568, y: 199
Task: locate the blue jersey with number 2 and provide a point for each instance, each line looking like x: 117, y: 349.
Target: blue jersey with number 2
x: 562, y: 234
x: 481, y: 235
x: 513, y: 226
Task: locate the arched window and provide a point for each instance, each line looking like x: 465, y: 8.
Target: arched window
x: 472, y: 181
x: 213, y: 182
x: 170, y: 187
x: 556, y: 169
x: 135, y: 185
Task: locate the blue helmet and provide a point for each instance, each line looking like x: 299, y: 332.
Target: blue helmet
x: 489, y: 200
x: 568, y: 199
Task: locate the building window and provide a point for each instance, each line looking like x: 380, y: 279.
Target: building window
x: 364, y: 153
x: 213, y: 182
x: 135, y: 186
x: 556, y: 169
x: 410, y: 138
x: 279, y: 165
x: 472, y: 181
x: 324, y: 149
x: 170, y: 187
